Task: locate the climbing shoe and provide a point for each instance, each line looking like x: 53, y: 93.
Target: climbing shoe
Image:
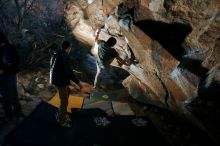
x: 68, y: 118
x: 65, y: 125
x: 65, y: 122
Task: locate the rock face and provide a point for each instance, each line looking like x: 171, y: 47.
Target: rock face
x: 173, y: 46
x: 174, y: 43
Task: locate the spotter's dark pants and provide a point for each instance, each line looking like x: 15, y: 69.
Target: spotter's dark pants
x: 64, y: 96
x: 8, y: 90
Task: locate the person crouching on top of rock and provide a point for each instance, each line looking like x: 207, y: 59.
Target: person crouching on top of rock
x: 106, y: 54
x: 60, y: 76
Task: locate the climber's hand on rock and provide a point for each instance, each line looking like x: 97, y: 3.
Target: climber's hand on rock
x: 128, y: 62
x: 119, y: 63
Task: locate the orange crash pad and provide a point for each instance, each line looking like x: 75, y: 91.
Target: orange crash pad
x: 74, y: 102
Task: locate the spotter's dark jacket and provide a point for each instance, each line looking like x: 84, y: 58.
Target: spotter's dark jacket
x: 60, y: 69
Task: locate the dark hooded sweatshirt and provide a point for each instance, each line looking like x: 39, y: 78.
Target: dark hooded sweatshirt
x: 60, y: 70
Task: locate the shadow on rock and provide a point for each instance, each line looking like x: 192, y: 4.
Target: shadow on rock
x: 170, y: 36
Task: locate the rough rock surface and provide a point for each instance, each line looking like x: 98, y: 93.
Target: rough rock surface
x: 174, y: 38
x: 172, y: 45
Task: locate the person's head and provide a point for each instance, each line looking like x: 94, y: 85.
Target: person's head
x: 111, y: 41
x: 66, y: 46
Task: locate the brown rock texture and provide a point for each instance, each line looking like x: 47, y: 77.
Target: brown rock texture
x: 173, y: 42
x: 173, y: 46
x: 174, y: 49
